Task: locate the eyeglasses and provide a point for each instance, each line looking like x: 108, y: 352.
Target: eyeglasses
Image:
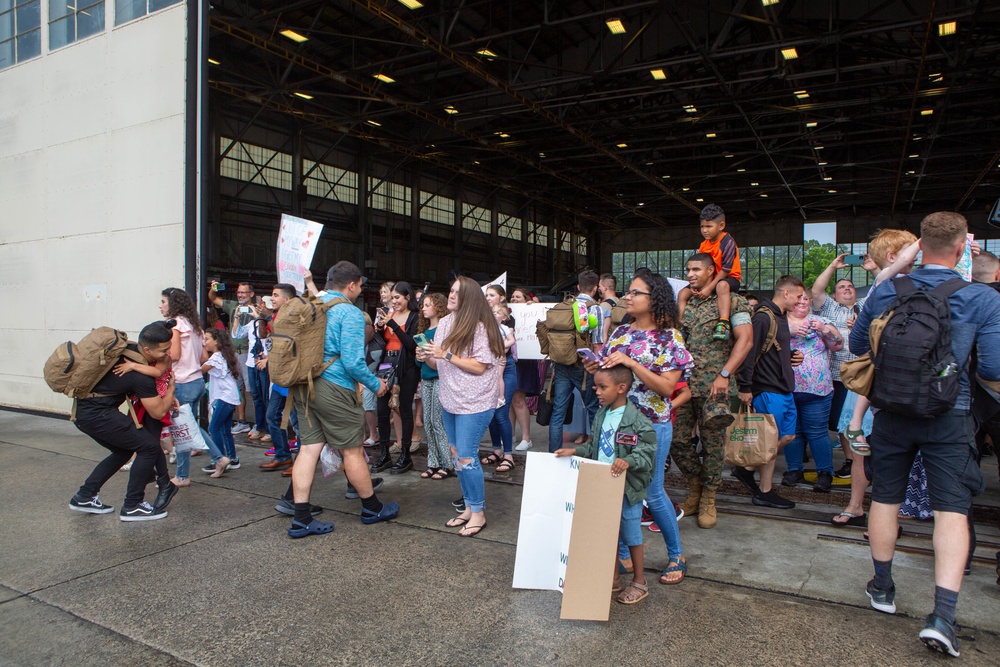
x: 635, y: 293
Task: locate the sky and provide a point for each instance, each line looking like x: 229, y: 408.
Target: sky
x: 824, y: 232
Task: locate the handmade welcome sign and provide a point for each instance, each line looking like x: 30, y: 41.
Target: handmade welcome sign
x: 297, y: 239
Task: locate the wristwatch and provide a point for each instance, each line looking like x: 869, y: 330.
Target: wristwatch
x: 447, y: 357
x: 724, y: 373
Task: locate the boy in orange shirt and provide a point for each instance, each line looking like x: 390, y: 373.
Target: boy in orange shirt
x: 722, y: 248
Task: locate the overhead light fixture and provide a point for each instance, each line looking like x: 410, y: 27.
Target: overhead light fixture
x: 828, y: 178
x: 450, y: 110
x: 622, y: 145
x: 927, y: 112
x: 374, y: 122
x: 384, y: 78
x: 949, y: 28
x: 294, y: 36
x: 911, y: 172
x: 476, y: 162
x: 411, y: 4
x: 649, y: 164
x: 832, y: 192
x: 541, y: 155
x: 303, y: 95
x: 741, y: 170
x: 710, y: 135
x: 822, y: 164
x: 699, y: 199
x: 768, y: 3
x: 754, y: 184
x: 819, y: 148
x: 642, y: 203
x: 668, y: 175
x: 913, y: 155
x: 790, y: 54
x: 936, y: 77
x: 486, y: 53
x: 685, y: 189
x: 801, y: 94
x: 690, y: 108
x: 502, y: 135
x: 658, y: 74
x: 812, y: 123
x: 615, y: 26
x: 729, y: 155
x: 764, y: 195
x: 213, y: 61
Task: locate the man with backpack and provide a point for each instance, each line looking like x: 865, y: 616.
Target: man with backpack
x: 932, y: 319
x: 614, y: 309
x: 767, y: 380
x: 567, y: 328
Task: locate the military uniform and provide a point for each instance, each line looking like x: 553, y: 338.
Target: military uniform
x: 710, y: 355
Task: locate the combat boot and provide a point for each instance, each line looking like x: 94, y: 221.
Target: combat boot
x: 706, y: 509
x: 691, y: 503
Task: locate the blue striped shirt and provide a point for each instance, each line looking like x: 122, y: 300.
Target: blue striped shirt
x: 345, y: 336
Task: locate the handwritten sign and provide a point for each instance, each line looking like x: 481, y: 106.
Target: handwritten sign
x: 501, y: 280
x: 526, y: 316
x: 297, y: 239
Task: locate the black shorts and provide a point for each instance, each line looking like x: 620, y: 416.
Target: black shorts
x: 947, y: 446
x: 734, y: 284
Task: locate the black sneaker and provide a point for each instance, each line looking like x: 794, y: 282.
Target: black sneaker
x: 792, y: 478
x: 772, y: 499
x: 939, y: 635
x: 141, y: 512
x: 164, y: 497
x: 234, y: 464
x: 746, y: 477
x: 844, y: 472
x: 883, y: 601
x: 209, y: 469
x: 91, y: 506
x: 824, y: 481
x: 287, y: 507
x: 459, y: 504
x: 352, y: 493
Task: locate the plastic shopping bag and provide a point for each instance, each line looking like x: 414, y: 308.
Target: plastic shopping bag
x: 184, y: 430
x: 331, y: 460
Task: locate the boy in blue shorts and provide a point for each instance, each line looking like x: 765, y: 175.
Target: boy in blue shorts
x: 625, y: 439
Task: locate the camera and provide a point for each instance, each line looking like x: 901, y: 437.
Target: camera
x: 220, y: 287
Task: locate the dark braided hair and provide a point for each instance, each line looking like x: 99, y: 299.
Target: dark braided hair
x: 180, y: 303
x: 662, y: 304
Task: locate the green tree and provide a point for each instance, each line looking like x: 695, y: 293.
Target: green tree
x: 815, y: 258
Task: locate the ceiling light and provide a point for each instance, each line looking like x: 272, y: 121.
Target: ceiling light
x: 911, y: 172
x: 768, y: 3
x: 822, y: 164
x: 819, y: 148
x: 303, y: 96
x: 690, y: 108
x: 384, y: 78
x: 658, y: 74
x: 212, y: 61
x: 741, y: 170
x: 502, y: 135
x: 801, y: 93
x: 828, y: 178
x: 294, y: 36
x: 685, y: 189
x: 754, y: 184
x: 945, y: 29
x: 763, y: 194
x: 450, y: 109
x: 790, y: 54
x: 699, y: 199
x: 615, y: 26
x: 710, y: 135
x: 411, y: 4
x: 913, y: 155
x: 374, y: 122
x: 668, y: 175
x: 729, y: 155
x: 812, y: 123
x: 927, y: 112
x: 541, y: 155
x: 649, y: 164
x: 475, y: 162
x: 832, y: 192
x: 486, y: 53
x: 642, y: 203
x: 622, y: 145
x: 937, y: 77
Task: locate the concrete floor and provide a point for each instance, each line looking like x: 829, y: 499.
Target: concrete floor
x: 218, y: 582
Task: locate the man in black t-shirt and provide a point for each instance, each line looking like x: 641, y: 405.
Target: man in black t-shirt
x: 100, y: 418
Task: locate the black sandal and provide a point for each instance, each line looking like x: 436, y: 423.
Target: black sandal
x: 429, y: 473
x: 442, y: 473
x: 492, y: 459
x: 505, y: 465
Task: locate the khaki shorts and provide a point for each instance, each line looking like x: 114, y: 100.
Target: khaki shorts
x: 334, y: 416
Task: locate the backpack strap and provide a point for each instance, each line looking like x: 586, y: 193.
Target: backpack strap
x: 949, y: 287
x: 771, y: 338
x: 904, y: 285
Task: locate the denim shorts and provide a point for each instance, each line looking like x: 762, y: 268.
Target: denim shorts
x: 782, y: 407
x: 631, y: 526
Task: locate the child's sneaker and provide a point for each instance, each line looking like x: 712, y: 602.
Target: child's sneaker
x: 269, y: 452
x: 721, y: 330
x: 653, y: 528
x: 234, y: 464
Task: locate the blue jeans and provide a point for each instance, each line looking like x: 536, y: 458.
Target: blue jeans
x: 566, y: 379
x: 656, y: 496
x: 813, y: 414
x: 464, y: 433
x: 279, y: 436
x: 260, y: 386
x: 630, y: 532
x: 190, y: 393
x: 220, y: 426
x: 501, y: 430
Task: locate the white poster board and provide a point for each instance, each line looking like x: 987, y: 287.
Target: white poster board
x: 526, y: 316
x: 297, y: 240
x: 501, y: 280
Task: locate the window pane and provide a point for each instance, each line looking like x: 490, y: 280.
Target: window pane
x: 6, y: 26
x: 29, y: 16
x: 29, y: 45
x: 61, y: 32
x: 90, y: 21
x: 60, y: 8
x: 6, y: 53
x: 6, y: 5
x: 155, y: 5
x: 127, y: 10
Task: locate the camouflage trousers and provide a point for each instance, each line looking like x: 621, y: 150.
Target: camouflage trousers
x: 713, y: 445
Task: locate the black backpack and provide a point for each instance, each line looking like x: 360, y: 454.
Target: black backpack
x: 916, y: 373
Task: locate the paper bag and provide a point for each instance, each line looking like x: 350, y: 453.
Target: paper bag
x: 752, y: 439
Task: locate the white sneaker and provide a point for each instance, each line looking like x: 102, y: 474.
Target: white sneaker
x: 240, y: 427
x: 523, y: 446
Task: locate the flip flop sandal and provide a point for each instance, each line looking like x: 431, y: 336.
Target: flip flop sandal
x: 505, y: 465
x: 681, y: 567
x: 492, y: 459
x: 856, y: 442
x: 478, y: 530
x: 860, y: 520
x: 456, y: 522
x: 314, y: 527
x: 443, y: 473
x: 628, y: 596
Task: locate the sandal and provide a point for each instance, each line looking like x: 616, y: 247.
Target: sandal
x: 457, y: 522
x: 492, y: 459
x: 680, y: 566
x: 443, y: 473
x: 505, y: 465
x: 852, y: 520
x: 633, y: 593
x: 856, y: 442
x: 616, y: 584
x: 478, y: 529
x: 429, y: 474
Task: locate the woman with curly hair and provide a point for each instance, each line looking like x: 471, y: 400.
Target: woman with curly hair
x: 651, y: 347
x: 185, y: 351
x: 439, y: 465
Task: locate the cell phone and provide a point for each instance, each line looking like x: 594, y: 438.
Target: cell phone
x: 854, y: 260
x: 220, y: 287
x: 244, y: 309
x: 421, y: 339
x: 587, y: 354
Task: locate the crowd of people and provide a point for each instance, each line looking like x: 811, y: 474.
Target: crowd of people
x: 657, y: 374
